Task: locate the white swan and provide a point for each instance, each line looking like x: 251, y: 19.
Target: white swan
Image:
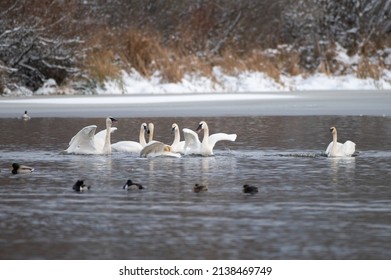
x: 177, y: 146
x: 336, y: 149
x: 158, y: 149
x: 132, y: 146
x: 204, y: 148
x: 85, y: 142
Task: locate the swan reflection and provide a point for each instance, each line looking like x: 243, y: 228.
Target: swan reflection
x: 342, y: 167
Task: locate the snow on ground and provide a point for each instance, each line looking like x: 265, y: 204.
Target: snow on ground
x: 131, y: 83
x: 245, y: 82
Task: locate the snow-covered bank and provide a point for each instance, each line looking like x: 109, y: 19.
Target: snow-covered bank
x: 348, y: 72
x: 346, y: 66
x: 133, y: 83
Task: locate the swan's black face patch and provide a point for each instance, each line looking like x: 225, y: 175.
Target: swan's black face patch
x: 332, y: 129
x: 113, y: 120
x: 199, y: 127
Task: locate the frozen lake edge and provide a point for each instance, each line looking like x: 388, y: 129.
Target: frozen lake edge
x: 352, y: 103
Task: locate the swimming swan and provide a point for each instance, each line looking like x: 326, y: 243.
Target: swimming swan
x: 158, y: 149
x: 132, y: 146
x: 177, y: 146
x: 86, y: 142
x: 336, y: 149
x: 205, y: 148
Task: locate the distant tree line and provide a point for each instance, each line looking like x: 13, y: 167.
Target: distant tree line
x: 54, y: 38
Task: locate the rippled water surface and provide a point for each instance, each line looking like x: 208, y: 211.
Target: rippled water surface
x: 308, y: 206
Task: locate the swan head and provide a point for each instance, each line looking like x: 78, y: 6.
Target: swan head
x: 144, y: 126
x: 110, y: 121
x: 333, y: 130
x: 202, y: 125
x: 174, y: 128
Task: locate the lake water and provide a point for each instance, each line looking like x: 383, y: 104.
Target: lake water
x: 308, y: 206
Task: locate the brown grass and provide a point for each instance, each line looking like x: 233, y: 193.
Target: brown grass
x: 101, y: 65
x: 368, y: 69
x: 145, y: 52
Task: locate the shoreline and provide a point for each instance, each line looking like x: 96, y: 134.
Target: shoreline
x: 306, y: 103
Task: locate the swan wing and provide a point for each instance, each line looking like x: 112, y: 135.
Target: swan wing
x: 102, y: 134
x: 84, y: 133
x: 152, y: 148
x: 341, y: 150
x: 127, y: 147
x: 83, y: 141
x: 158, y: 149
x: 214, y: 138
x: 179, y: 147
x: 329, y: 147
x: 192, y: 143
x: 349, y: 148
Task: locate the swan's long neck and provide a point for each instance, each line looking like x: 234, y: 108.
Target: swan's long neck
x: 334, y: 140
x: 151, y: 130
x: 142, y: 136
x: 177, y: 137
x: 206, y: 134
x: 107, y: 146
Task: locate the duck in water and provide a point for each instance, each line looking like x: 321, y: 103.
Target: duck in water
x: 199, y: 188
x: 21, y: 169
x: 132, y: 186
x: 79, y: 186
x: 250, y: 189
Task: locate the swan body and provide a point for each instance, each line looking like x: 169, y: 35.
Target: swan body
x: 132, y: 146
x: 129, y: 185
x: 21, y: 169
x: 177, y: 146
x: 86, y: 142
x: 158, y: 149
x: 204, y: 148
x: 336, y: 149
x: 199, y: 188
